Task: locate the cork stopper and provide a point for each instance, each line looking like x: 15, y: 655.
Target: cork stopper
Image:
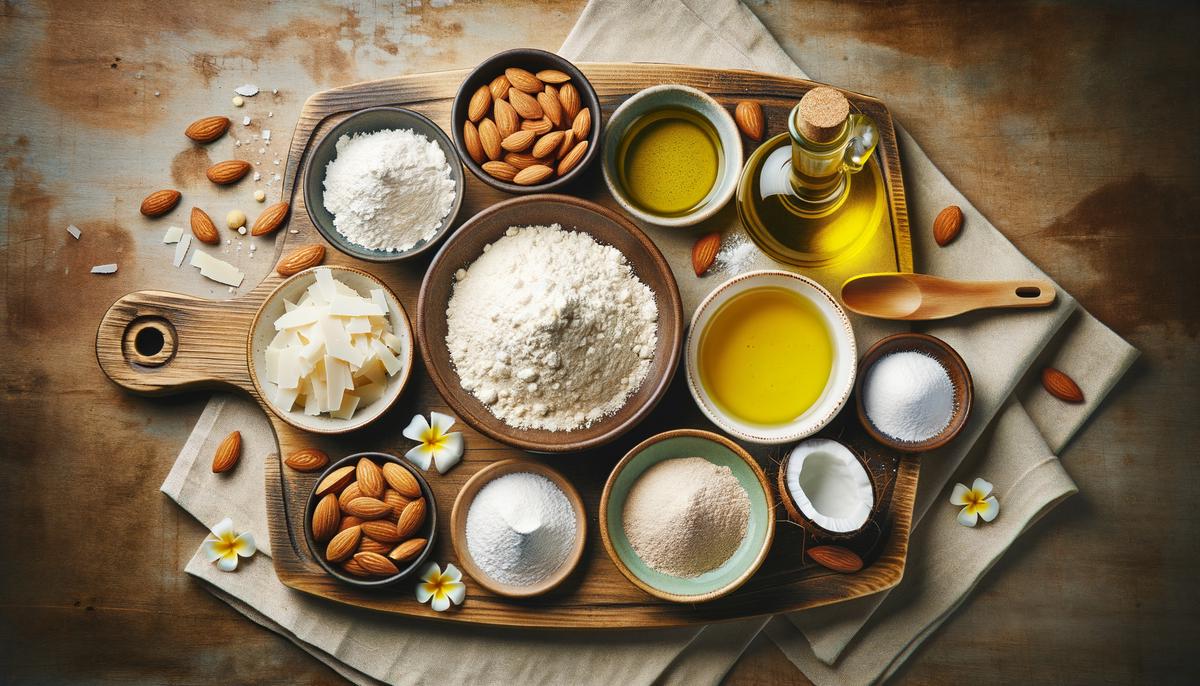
x: 821, y: 114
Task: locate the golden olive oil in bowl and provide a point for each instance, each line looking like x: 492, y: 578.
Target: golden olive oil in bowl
x: 765, y: 356
x: 672, y: 155
x: 668, y: 161
x: 771, y: 356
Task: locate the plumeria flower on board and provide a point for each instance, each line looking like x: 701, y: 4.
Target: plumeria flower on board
x: 977, y: 501
x: 224, y: 545
x: 441, y: 587
x: 437, y: 447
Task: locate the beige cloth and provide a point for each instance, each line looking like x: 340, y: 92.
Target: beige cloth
x: 1000, y: 349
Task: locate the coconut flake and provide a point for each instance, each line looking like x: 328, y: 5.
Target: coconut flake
x: 74, y: 231
x: 105, y: 269
x: 249, y: 90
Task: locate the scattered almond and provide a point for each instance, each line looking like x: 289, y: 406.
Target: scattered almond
x: 537, y: 126
x: 343, y: 544
x: 370, y: 479
x: 507, y: 120
x: 518, y: 141
x: 271, y: 219
x: 551, y: 107
x: 489, y: 138
x: 383, y: 531
x: 749, y: 118
x: 402, y: 480
x: 480, y: 102
x: 836, y: 558
x: 227, y: 172
x: 161, y: 202
x: 471, y: 141
x: 568, y: 163
x: 525, y: 104
x: 411, y: 518
x: 500, y: 170
x: 499, y: 87
x: 523, y: 80
x: 336, y: 480
x: 1061, y: 386
x: 947, y: 225
x: 307, y: 460
x: 208, y: 129
x: 376, y: 564
x: 704, y: 252
x: 203, y: 227
x: 367, y: 508
x: 530, y: 176
x: 568, y: 97
x: 582, y: 124
x: 326, y: 519
x: 553, y: 76
x: 408, y: 549
x: 228, y: 453
x: 301, y: 258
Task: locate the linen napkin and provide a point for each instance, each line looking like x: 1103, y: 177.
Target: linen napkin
x: 719, y: 33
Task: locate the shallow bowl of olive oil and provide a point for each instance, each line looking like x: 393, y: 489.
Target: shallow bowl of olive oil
x: 771, y: 357
x: 672, y: 155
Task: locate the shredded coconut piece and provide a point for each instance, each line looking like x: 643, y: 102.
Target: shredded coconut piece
x: 550, y: 329
x: 104, y: 269
x: 388, y: 190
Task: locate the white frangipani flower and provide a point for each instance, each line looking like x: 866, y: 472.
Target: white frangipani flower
x: 437, y: 447
x: 441, y: 587
x: 224, y: 546
x: 977, y: 501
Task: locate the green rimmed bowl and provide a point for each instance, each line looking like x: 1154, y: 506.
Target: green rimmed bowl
x: 718, y: 450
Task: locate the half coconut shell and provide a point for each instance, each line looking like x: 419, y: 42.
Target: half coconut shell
x: 837, y: 494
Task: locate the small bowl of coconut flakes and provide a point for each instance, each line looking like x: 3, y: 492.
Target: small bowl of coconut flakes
x: 384, y: 184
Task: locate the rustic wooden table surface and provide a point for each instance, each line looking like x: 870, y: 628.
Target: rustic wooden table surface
x: 1071, y: 126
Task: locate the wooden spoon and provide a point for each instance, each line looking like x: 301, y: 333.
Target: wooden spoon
x: 920, y: 296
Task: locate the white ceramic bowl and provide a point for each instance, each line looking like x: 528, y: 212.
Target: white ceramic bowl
x: 682, y: 97
x: 263, y: 330
x: 841, y: 377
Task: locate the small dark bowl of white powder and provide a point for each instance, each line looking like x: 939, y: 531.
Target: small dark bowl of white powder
x: 384, y: 184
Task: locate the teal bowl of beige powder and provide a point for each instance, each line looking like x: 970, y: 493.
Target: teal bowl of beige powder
x: 687, y: 516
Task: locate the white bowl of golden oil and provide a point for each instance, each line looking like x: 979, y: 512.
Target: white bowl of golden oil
x: 771, y: 357
x: 672, y: 155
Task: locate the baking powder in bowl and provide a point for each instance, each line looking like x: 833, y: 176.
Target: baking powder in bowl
x: 388, y: 190
x: 520, y: 529
x: 550, y: 329
x: 908, y: 396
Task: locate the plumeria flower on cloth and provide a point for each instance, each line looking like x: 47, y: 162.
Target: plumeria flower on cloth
x: 224, y: 546
x: 977, y: 501
x: 442, y: 587
x: 437, y: 447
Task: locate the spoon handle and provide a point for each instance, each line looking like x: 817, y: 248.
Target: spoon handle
x: 1025, y: 293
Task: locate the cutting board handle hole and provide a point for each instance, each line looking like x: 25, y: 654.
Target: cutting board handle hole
x: 1028, y: 292
x: 149, y: 342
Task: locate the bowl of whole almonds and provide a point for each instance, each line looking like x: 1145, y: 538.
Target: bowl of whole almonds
x: 371, y: 520
x: 526, y: 121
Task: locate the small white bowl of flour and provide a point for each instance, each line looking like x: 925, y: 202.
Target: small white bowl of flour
x: 384, y: 184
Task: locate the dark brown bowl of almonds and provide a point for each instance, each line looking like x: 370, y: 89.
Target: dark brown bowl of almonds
x: 526, y: 121
x: 371, y: 520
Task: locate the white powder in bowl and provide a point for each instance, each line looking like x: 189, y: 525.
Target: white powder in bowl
x: 520, y: 529
x: 550, y: 329
x: 388, y: 190
x: 908, y: 396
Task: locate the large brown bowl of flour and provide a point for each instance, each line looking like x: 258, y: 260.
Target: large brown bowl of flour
x: 458, y: 258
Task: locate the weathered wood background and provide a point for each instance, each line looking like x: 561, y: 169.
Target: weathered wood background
x: 1072, y: 126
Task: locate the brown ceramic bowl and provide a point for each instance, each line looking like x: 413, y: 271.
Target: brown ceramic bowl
x: 428, y: 529
x: 941, y: 351
x: 534, y: 61
x: 606, y: 227
x: 458, y: 526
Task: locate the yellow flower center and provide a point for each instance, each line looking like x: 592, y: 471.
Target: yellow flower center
x: 438, y: 585
x: 975, y: 501
x: 433, y: 438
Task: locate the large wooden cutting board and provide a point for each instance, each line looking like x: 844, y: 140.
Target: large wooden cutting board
x: 208, y: 340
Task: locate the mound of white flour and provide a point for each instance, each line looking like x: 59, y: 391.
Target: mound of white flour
x: 550, y: 329
x: 388, y: 190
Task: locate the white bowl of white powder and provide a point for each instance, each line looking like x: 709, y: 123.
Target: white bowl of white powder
x: 385, y: 184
